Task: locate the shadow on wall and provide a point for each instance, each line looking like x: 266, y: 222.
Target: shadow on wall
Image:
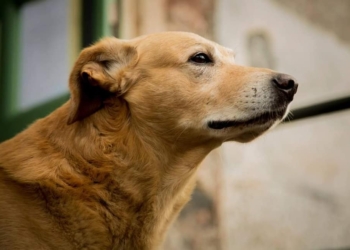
x: 196, y: 228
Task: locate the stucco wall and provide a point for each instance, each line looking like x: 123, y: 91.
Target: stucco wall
x: 315, y: 56
x: 288, y: 189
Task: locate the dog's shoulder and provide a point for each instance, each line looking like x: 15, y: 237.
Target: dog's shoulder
x: 24, y: 223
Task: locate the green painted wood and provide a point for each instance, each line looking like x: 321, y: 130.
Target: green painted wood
x: 9, y: 63
x: 10, y: 127
x: 94, y: 26
x: 94, y: 21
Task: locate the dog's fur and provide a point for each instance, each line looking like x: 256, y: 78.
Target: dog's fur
x: 112, y: 167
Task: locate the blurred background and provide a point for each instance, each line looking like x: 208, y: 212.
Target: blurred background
x: 289, y: 189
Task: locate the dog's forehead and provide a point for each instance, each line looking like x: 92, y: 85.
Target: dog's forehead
x: 176, y: 43
x: 171, y: 37
x: 180, y: 39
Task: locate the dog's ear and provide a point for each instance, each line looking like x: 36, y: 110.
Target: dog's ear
x: 97, y: 74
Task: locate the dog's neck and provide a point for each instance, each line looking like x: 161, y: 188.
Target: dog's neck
x: 112, y: 135
x: 105, y: 151
x: 108, y: 137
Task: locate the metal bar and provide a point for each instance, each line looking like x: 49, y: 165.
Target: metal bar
x: 320, y: 108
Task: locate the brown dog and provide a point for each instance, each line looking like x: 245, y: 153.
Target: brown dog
x: 113, y: 167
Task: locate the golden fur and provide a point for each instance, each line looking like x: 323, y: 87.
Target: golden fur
x: 112, y: 167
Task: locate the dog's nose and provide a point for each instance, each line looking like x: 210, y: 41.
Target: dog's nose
x: 286, y: 84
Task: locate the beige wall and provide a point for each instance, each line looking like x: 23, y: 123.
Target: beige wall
x: 145, y: 17
x: 290, y: 188
x: 315, y: 56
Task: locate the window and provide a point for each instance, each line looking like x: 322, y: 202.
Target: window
x: 43, y: 39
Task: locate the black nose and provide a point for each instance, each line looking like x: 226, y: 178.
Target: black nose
x: 286, y: 84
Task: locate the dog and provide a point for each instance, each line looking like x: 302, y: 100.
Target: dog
x: 112, y: 167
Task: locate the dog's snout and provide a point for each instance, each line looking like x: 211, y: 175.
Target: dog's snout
x: 285, y: 83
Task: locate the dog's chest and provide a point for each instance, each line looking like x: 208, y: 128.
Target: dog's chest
x: 117, y: 218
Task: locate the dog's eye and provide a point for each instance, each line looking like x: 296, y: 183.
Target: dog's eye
x: 201, y: 58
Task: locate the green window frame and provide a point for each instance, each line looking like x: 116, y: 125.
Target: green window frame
x: 93, y: 25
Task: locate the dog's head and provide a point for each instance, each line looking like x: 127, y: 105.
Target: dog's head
x: 180, y: 85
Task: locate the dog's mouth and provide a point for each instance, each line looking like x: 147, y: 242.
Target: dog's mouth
x: 256, y: 120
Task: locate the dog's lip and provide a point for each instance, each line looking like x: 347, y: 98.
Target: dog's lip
x: 259, y: 119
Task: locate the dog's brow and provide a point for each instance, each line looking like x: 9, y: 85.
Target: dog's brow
x: 223, y: 51
x: 198, y: 44
x: 202, y: 45
x: 231, y: 52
